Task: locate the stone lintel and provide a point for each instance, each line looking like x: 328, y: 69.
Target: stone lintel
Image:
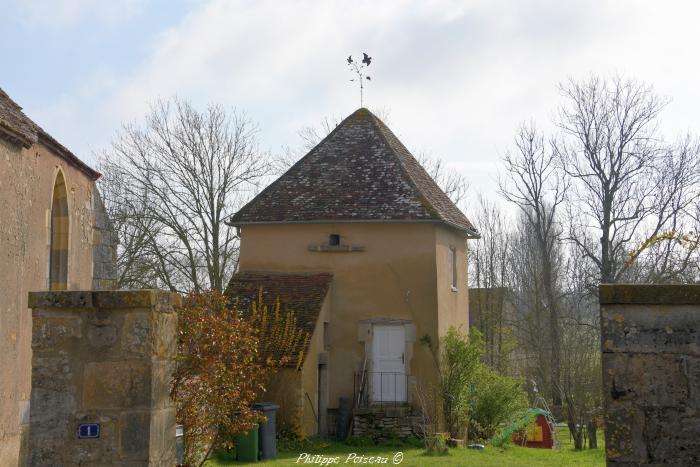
x: 103, y: 299
x: 649, y: 294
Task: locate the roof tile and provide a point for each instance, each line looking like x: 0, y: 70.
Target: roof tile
x: 20, y: 129
x: 302, y: 293
x: 14, y: 124
x: 360, y: 171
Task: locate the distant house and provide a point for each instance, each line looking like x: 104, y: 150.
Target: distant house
x: 360, y: 241
x: 54, y: 234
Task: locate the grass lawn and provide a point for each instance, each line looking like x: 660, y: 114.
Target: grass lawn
x: 414, y: 456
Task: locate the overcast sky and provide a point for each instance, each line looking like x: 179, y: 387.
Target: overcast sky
x: 457, y: 76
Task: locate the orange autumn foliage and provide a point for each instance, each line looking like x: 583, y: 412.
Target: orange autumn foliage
x: 218, y: 377
x: 225, y: 359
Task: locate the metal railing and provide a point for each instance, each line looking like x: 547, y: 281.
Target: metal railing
x: 380, y: 388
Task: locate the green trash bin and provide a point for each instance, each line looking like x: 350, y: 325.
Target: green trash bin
x: 247, y: 446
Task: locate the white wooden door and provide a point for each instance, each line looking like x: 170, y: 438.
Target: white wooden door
x: 388, y: 372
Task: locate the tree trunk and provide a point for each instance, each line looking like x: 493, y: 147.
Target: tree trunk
x: 592, y: 439
x: 551, y: 305
x: 577, y: 435
x: 575, y: 430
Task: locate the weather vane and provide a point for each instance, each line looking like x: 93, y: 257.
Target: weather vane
x: 358, y: 69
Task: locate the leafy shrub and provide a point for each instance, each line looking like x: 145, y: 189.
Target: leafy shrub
x: 225, y: 359
x: 474, y: 398
x: 458, y: 363
x: 495, y: 398
x: 218, y: 375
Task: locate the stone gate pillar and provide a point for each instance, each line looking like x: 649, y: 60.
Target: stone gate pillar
x: 101, y: 368
x: 651, y: 373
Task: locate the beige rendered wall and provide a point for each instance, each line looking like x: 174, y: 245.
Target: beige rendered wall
x: 394, y: 277
x: 26, y: 186
x: 285, y: 390
x: 288, y: 388
x: 453, y: 304
x: 309, y: 377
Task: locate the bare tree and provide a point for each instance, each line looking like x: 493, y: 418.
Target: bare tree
x: 580, y: 383
x: 135, y: 266
x: 179, y: 177
x: 491, y: 280
x: 671, y: 254
x: 533, y: 183
x: 606, y: 200
x: 628, y: 185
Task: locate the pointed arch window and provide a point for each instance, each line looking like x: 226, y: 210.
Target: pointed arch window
x: 58, y: 259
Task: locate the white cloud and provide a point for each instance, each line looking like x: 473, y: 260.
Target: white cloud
x: 459, y: 77
x: 56, y: 14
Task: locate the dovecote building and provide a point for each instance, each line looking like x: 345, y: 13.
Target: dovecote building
x: 381, y: 251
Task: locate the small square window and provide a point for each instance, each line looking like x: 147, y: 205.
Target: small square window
x: 334, y: 240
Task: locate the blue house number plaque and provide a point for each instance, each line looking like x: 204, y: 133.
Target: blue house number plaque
x: 89, y: 430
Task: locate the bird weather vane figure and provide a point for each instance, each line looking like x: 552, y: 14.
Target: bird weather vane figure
x: 358, y: 69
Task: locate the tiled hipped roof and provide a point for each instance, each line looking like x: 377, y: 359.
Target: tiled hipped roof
x: 20, y: 129
x: 359, y: 172
x: 301, y: 293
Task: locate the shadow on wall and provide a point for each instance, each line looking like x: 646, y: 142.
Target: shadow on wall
x: 285, y: 390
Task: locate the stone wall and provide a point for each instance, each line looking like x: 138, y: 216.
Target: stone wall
x: 651, y: 373
x: 27, y: 178
x: 104, y: 247
x: 386, y: 422
x: 107, y: 358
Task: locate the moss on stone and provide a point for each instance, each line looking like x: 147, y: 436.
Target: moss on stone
x: 103, y: 299
x: 649, y: 294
